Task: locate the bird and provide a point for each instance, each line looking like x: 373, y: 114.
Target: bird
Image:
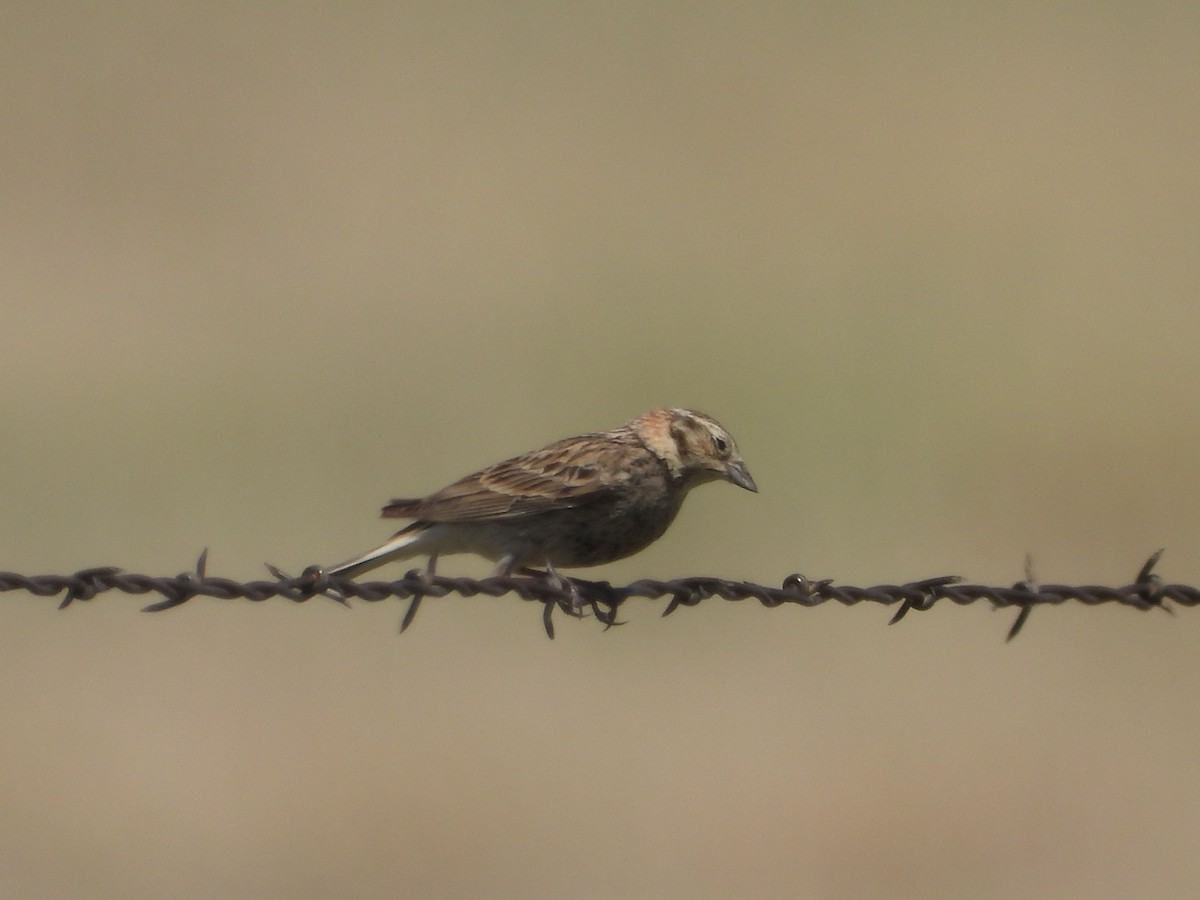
x: 581, y: 501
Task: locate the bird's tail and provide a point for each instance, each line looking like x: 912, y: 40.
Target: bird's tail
x: 398, y: 546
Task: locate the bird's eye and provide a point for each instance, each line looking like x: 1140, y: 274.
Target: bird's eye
x: 721, y: 444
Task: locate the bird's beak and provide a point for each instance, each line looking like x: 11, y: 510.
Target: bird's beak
x: 737, y: 472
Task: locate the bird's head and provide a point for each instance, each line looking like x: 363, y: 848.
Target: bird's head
x: 695, y: 447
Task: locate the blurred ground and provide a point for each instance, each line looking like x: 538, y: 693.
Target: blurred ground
x: 936, y: 268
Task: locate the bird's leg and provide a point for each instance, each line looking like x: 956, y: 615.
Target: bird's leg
x: 574, y: 604
x: 504, y: 566
x: 415, y: 603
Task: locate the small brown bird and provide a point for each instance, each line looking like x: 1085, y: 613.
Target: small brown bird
x: 581, y: 501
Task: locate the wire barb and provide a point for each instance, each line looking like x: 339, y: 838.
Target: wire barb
x: 577, y: 597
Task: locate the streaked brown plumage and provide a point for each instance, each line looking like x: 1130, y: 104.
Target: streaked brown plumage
x: 581, y: 501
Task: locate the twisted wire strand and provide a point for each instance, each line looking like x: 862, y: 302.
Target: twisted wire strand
x: 577, y: 597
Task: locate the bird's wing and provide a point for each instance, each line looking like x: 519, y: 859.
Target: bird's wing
x: 569, y: 473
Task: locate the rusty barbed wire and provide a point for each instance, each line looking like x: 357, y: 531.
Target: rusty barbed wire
x: 578, y: 597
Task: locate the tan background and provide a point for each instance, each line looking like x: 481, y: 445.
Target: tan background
x: 937, y: 266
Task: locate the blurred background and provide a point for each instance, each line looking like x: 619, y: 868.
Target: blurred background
x: 937, y: 267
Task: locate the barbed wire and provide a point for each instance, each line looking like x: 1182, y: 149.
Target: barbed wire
x: 578, y: 597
